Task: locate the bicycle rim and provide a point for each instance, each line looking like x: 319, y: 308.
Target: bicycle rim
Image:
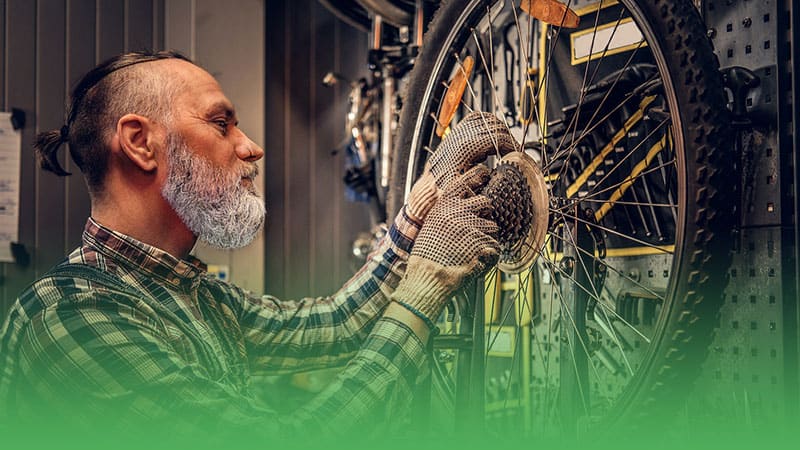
x: 625, y: 115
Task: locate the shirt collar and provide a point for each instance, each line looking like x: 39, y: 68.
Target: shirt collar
x: 136, y: 255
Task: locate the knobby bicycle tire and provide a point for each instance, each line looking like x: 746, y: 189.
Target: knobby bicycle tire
x: 350, y: 12
x: 688, y: 89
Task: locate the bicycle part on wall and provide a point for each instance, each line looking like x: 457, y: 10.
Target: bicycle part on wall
x: 625, y: 117
x: 372, y: 117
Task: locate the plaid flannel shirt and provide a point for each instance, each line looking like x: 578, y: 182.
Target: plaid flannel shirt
x: 179, y: 346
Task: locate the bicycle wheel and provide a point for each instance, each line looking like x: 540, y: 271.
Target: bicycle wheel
x: 626, y: 117
x: 398, y: 13
x: 350, y: 12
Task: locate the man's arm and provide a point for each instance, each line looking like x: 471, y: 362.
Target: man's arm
x: 105, y: 364
x: 289, y: 336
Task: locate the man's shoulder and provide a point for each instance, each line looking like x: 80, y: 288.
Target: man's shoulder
x: 70, y: 283
x: 224, y: 291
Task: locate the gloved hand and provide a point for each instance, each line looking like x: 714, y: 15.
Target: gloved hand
x: 423, y: 196
x: 456, y: 243
x: 470, y: 141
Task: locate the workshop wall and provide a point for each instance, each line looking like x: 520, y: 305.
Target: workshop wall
x: 310, y: 226
x: 45, y: 47
x: 269, y: 56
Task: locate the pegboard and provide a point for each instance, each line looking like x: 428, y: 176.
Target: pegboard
x: 750, y: 376
x: 744, y: 375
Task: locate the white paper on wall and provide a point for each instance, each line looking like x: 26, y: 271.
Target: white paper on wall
x: 10, y: 150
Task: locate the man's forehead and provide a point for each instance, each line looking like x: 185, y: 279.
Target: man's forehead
x: 199, y: 90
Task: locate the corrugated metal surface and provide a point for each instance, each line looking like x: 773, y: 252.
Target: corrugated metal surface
x: 46, y: 45
x: 310, y: 225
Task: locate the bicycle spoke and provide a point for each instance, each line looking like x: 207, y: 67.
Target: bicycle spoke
x: 658, y: 248
x: 491, y: 82
x: 564, y: 307
x: 582, y: 89
x: 627, y: 203
x: 523, y: 50
x: 608, y: 148
x: 617, y: 186
x: 620, y: 318
x: 579, y: 104
x: 607, y: 94
x: 655, y: 149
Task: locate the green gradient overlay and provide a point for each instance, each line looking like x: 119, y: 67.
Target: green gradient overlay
x: 688, y: 426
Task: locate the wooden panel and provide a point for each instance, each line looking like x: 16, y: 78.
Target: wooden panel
x: 328, y: 132
x: 110, y: 28
x: 275, y: 149
x: 50, y: 94
x: 21, y: 72
x: 158, y: 24
x: 3, y: 107
x: 179, y: 17
x: 310, y: 226
x: 138, y: 25
x: 80, y: 59
x: 299, y: 116
x: 2, y: 59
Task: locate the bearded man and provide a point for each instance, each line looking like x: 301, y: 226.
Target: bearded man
x: 130, y: 332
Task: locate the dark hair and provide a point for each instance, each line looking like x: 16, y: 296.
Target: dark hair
x: 100, y: 98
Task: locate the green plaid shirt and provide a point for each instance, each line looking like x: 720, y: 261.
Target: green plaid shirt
x: 169, y: 344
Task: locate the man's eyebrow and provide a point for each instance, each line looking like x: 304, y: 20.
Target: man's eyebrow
x: 222, y: 108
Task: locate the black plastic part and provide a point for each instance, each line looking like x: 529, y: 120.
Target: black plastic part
x: 17, y: 118
x: 740, y: 81
x: 20, y: 254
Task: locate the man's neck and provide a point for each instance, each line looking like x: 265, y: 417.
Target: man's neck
x: 152, y: 222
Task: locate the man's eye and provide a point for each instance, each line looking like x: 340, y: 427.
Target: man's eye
x: 223, y: 125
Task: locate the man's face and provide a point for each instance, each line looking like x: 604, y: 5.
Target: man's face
x: 220, y: 206
x: 211, y: 165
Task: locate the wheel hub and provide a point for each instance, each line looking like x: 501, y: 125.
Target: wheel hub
x: 519, y: 195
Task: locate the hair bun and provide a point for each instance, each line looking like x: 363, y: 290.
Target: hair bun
x: 46, y: 147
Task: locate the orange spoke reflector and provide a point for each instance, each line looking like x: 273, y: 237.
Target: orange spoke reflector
x: 453, y: 97
x: 552, y: 12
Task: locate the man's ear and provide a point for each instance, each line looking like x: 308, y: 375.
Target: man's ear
x: 135, y: 138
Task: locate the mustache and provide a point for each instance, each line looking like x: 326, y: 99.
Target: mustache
x: 250, y: 171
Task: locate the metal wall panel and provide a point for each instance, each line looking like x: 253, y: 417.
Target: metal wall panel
x: 51, y: 90
x: 276, y: 101
x: 81, y: 38
x: 310, y: 226
x: 45, y: 46
x: 297, y: 118
x: 327, y: 122
x: 20, y: 87
x: 750, y: 377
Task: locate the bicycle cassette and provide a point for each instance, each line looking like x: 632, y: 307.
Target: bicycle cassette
x: 520, y: 202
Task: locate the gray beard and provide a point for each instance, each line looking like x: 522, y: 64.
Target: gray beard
x: 211, y: 202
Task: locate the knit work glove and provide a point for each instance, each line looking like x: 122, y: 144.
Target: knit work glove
x: 423, y: 196
x: 471, y: 141
x: 456, y: 243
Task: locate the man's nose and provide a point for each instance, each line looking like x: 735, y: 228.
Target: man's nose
x: 248, y: 150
